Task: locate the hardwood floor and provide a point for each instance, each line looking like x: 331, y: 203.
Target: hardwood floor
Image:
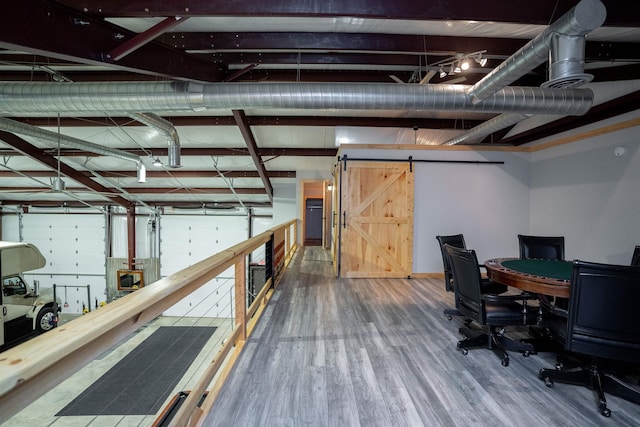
x: 379, y: 352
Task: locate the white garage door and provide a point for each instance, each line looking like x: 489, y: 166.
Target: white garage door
x: 186, y: 240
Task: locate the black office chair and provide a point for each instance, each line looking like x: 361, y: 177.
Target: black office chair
x: 457, y: 240
x: 599, y: 327
x: 635, y: 259
x: 542, y: 247
x: 492, y: 312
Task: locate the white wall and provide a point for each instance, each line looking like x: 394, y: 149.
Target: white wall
x: 488, y: 203
x: 584, y: 192
x: 284, y: 203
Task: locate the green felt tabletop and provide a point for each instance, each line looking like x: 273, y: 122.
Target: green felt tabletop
x: 560, y: 270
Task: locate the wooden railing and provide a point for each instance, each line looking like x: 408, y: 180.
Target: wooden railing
x: 33, y: 368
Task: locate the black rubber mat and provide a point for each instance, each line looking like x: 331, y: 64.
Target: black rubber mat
x: 141, y: 382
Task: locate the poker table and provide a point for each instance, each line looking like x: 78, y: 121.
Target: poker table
x: 539, y: 276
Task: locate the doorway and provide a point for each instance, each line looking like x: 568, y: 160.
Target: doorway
x: 313, y: 222
x: 316, y: 213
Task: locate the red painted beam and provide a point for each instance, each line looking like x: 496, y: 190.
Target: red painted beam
x: 144, y: 37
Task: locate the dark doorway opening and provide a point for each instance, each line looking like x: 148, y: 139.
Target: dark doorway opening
x: 313, y: 222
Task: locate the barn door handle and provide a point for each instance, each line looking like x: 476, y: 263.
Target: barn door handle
x: 344, y: 219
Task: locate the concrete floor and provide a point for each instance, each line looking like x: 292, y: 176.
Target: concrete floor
x: 42, y: 411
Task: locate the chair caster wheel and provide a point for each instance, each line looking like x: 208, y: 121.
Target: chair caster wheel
x: 505, y: 362
x: 559, y: 366
x: 462, y: 349
x: 604, y: 410
x: 548, y: 382
x: 526, y: 353
x: 449, y: 317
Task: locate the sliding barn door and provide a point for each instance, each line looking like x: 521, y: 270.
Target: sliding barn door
x: 376, y: 235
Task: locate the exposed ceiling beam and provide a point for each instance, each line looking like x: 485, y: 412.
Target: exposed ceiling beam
x: 245, y: 130
x: 178, y: 121
x: 372, y: 42
x: 42, y: 157
x: 144, y: 37
x: 618, y: 12
x: 239, y: 73
x: 155, y: 190
x: 303, y: 152
x: 159, y: 203
x: 155, y: 174
x: 59, y: 32
x: 433, y: 48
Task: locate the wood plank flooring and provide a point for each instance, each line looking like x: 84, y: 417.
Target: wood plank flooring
x: 379, y: 352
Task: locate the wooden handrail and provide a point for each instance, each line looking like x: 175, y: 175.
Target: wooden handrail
x: 33, y: 368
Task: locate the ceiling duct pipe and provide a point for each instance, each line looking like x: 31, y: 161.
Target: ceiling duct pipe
x: 166, y: 127
x: 14, y: 126
x: 475, y: 135
x: 566, y: 62
x: 585, y: 17
x: 124, y: 97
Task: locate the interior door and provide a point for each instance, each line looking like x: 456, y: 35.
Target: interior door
x: 376, y: 219
x: 313, y: 221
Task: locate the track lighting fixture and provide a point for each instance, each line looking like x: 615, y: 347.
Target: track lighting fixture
x: 458, y: 63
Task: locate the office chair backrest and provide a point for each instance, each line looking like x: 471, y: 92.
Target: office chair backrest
x: 603, y: 311
x: 455, y: 240
x: 635, y: 259
x: 467, y: 281
x: 542, y: 247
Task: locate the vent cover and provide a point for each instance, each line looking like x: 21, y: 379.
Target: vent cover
x: 567, y: 82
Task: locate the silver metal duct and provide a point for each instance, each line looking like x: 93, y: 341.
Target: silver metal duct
x: 579, y: 21
x: 125, y: 97
x: 476, y: 134
x: 166, y: 127
x: 566, y: 62
x: 13, y: 126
